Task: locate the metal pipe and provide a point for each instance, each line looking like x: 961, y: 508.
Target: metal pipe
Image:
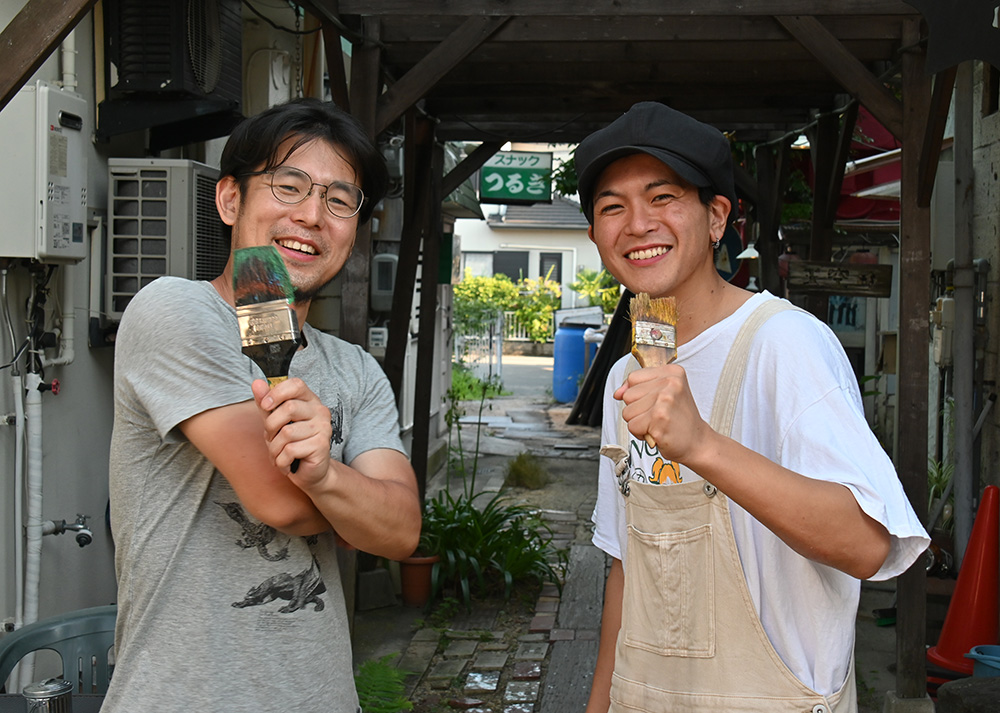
x: 33, y: 548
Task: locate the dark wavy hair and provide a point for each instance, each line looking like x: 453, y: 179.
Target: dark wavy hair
x: 254, y: 145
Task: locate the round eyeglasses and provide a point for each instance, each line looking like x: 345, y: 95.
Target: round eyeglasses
x: 291, y: 185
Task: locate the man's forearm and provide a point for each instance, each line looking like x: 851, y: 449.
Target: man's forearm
x: 378, y: 515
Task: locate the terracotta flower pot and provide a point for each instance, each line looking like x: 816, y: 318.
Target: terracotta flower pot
x: 415, y: 579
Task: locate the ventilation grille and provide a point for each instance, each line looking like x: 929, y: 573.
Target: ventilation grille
x: 212, y: 246
x: 163, y: 221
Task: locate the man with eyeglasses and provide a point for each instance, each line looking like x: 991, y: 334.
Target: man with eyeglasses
x: 229, y: 593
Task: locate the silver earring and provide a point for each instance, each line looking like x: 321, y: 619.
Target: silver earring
x: 716, y: 244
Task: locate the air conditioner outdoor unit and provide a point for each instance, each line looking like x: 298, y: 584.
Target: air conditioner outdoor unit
x: 162, y: 220
x: 173, y: 67
x: 172, y: 47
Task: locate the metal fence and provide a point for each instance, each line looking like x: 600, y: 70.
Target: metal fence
x: 482, y: 350
x: 514, y: 330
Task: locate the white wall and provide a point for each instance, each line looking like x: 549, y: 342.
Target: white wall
x: 76, y: 424
x: 577, y: 249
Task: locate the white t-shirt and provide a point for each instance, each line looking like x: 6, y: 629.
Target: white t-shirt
x: 800, y: 406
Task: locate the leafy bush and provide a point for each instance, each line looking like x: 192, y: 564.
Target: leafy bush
x: 486, y: 550
x: 538, y: 300
x: 381, y: 686
x: 479, y: 299
x: 599, y: 287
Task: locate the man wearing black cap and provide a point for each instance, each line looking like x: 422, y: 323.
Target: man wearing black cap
x: 766, y: 497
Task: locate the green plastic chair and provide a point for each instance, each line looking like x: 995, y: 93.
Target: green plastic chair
x: 82, y: 639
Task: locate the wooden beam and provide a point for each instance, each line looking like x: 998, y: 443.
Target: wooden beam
x: 843, y: 150
x: 356, y: 273
x: 640, y: 8
x: 847, y: 69
x: 531, y: 31
x: 937, y: 117
x: 425, y: 74
x: 469, y: 165
x: 31, y: 37
x: 914, y: 300
x: 335, y: 66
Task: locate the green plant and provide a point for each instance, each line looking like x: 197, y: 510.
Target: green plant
x: 599, y: 287
x: 486, y: 548
x: 938, y: 477
x: 467, y: 386
x: 526, y: 471
x: 564, y: 178
x: 381, y: 686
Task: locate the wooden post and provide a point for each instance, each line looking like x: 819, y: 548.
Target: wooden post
x: 415, y: 203
x: 914, y: 306
x: 431, y: 174
x: 365, y: 83
x: 772, y: 174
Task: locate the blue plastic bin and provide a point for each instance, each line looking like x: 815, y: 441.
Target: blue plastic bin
x: 986, y: 661
x: 568, y: 362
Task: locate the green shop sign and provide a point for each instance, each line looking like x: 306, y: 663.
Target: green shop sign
x: 516, y: 177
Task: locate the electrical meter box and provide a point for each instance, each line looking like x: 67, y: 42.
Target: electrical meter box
x: 44, y: 134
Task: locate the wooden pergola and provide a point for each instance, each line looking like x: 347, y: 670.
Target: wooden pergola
x: 493, y: 71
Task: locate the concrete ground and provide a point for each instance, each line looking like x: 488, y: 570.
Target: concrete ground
x: 528, y: 420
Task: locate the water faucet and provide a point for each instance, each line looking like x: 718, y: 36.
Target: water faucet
x: 57, y: 527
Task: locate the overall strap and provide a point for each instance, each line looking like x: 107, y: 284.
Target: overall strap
x: 727, y: 393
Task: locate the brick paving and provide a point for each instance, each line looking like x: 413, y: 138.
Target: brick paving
x: 497, y: 676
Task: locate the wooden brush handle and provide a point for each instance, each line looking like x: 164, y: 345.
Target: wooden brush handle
x: 273, y: 381
x: 652, y: 356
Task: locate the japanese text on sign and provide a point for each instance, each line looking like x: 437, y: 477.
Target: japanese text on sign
x: 516, y: 177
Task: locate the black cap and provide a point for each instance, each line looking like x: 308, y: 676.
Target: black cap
x: 699, y: 153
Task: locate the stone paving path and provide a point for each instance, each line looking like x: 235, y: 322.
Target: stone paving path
x: 548, y: 667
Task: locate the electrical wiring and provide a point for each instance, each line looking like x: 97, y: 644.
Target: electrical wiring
x: 275, y: 25
x: 21, y: 350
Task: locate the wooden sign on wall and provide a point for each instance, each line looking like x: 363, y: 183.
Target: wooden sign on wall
x: 806, y: 277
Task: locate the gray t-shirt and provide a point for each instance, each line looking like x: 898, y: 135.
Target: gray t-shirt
x: 215, y: 609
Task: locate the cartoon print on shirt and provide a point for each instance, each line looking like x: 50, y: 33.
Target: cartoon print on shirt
x: 337, y: 422
x: 298, y: 590
x: 255, y: 534
x: 665, y: 470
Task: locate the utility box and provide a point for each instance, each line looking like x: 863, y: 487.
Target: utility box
x: 162, y: 220
x: 44, y: 133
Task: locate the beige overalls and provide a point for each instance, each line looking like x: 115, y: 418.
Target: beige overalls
x: 690, y: 638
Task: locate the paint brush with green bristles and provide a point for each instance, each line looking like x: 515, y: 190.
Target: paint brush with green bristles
x: 263, y: 292
x: 269, y: 328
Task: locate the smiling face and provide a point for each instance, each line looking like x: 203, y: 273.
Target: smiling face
x: 653, y: 232
x: 313, y: 243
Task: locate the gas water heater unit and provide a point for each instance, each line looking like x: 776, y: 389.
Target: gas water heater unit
x: 43, y: 138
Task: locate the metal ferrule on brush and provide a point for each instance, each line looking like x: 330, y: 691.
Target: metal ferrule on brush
x: 655, y: 334
x: 267, y: 322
